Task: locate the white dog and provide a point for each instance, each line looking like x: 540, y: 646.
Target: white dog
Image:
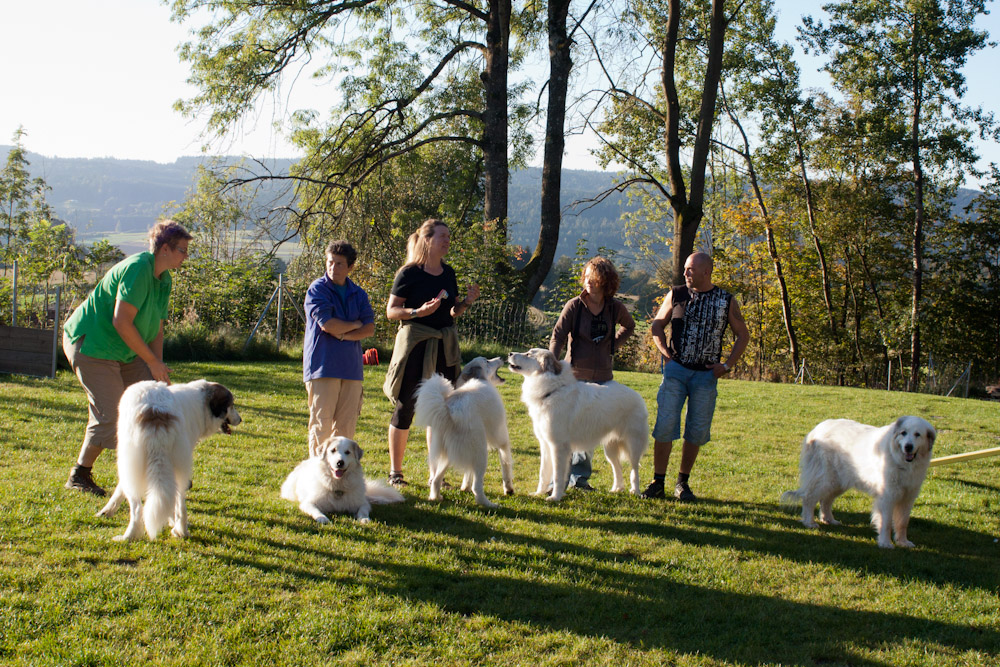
x: 887, y: 463
x: 158, y: 428
x: 465, y: 422
x: 333, y: 481
x: 569, y: 415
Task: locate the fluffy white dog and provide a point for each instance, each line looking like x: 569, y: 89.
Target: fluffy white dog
x: 333, y: 481
x: 465, y: 422
x: 887, y: 463
x: 569, y: 415
x: 158, y: 428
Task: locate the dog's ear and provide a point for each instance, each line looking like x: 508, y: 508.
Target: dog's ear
x: 549, y: 363
x: 220, y: 400
x: 931, y: 436
x: 473, y: 372
x: 358, y: 452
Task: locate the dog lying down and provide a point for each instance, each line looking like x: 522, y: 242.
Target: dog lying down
x: 888, y: 463
x: 334, y: 482
x: 465, y: 422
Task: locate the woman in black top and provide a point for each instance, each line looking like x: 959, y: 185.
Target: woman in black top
x: 424, y: 299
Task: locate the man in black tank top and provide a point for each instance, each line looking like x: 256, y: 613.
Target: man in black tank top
x: 698, y: 313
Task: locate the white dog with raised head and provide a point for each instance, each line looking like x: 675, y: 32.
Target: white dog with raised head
x: 465, y: 422
x: 888, y: 463
x: 569, y: 415
x: 333, y: 481
x: 158, y: 428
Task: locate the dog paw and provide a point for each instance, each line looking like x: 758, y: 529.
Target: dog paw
x: 831, y: 522
x: 364, y: 520
x: 124, y: 538
x: 906, y: 544
x: 179, y: 532
x: 508, y: 491
x: 488, y: 503
x: 322, y: 520
x: 885, y: 544
x: 553, y: 499
x: 810, y: 524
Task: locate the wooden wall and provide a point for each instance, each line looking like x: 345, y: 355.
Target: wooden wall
x: 27, y: 351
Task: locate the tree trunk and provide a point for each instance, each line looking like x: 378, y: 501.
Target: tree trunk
x: 560, y: 65
x: 496, y: 175
x: 688, y: 207
x: 918, y: 227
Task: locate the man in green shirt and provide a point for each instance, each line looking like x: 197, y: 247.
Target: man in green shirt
x: 115, y: 338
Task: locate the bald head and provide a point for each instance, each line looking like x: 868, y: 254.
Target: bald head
x: 698, y: 271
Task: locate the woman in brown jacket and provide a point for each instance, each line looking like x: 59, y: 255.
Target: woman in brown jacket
x: 591, y: 327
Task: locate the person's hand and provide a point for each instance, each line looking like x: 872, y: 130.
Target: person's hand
x: 472, y: 294
x: 718, y: 370
x: 428, y: 307
x: 160, y: 371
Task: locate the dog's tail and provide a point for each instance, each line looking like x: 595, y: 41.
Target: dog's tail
x: 379, y: 493
x: 161, y: 484
x: 432, y: 401
x: 791, y: 497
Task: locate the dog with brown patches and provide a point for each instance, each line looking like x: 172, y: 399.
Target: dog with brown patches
x: 465, y: 422
x: 158, y: 428
x: 333, y: 481
x: 889, y: 463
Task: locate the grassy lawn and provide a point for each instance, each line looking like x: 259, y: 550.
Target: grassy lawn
x: 598, y: 579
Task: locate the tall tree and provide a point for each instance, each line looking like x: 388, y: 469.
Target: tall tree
x: 906, y: 56
x: 689, y: 51
x: 22, y: 199
x: 411, y: 74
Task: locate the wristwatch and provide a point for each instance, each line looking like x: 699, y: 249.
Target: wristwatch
x: 413, y: 313
x: 726, y: 366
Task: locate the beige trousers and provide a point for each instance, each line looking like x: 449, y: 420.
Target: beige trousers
x: 105, y: 382
x: 334, y: 407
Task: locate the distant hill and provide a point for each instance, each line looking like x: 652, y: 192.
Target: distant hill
x: 98, y: 196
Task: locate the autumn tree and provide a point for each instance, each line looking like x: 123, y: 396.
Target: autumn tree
x: 906, y: 57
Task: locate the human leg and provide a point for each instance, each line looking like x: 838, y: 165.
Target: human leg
x: 702, y: 393
x: 580, y: 469
x: 402, y: 415
x: 669, y: 402
x: 322, y: 395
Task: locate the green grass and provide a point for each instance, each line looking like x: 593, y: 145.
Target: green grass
x: 598, y: 579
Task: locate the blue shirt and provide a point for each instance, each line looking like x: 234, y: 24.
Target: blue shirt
x: 323, y: 356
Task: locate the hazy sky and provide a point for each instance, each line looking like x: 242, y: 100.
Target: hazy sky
x: 98, y: 78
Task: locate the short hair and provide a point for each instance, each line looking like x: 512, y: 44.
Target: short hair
x: 418, y: 244
x: 167, y: 232
x: 344, y: 249
x: 607, y: 276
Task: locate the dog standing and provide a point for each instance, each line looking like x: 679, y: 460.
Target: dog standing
x: 158, y: 428
x: 465, y: 422
x: 887, y: 463
x: 333, y: 481
x: 569, y: 415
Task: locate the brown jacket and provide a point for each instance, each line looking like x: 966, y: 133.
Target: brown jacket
x: 591, y: 361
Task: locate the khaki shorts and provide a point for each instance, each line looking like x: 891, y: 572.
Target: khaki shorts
x: 105, y: 382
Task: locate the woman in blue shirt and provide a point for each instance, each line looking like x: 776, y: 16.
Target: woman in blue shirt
x: 338, y: 317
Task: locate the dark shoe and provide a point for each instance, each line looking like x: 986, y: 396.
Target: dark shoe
x: 396, y: 479
x: 682, y: 492
x: 583, y: 485
x: 445, y: 485
x: 80, y: 479
x: 654, y: 490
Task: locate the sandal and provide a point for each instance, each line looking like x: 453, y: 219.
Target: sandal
x: 396, y: 479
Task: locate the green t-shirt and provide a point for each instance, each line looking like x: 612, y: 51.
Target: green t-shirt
x: 130, y: 280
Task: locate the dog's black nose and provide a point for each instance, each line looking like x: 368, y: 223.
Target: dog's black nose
x: 340, y: 464
x: 908, y: 447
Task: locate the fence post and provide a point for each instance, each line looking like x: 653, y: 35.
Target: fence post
x: 968, y: 374
x: 55, y: 332
x: 13, y: 310
x: 281, y: 295
x: 888, y: 377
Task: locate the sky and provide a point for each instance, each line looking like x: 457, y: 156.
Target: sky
x: 99, y: 79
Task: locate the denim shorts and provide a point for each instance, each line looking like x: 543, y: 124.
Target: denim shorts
x: 699, y: 388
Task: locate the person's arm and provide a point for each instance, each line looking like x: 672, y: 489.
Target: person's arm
x: 560, y: 332
x: 625, y: 321
x: 395, y: 308
x: 658, y: 327
x: 470, y: 298
x: 124, y: 322
x: 739, y: 327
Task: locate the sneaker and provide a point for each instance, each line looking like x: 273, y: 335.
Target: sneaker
x: 583, y: 485
x: 654, y: 490
x: 683, y: 493
x: 80, y: 479
x: 396, y: 479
